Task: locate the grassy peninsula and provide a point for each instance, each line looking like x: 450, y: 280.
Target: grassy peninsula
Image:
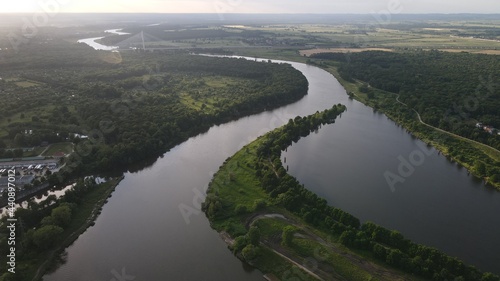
x: 274, y: 223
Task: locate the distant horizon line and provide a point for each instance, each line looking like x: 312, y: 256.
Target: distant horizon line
x: 250, y: 13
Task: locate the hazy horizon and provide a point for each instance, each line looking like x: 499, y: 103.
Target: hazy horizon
x: 252, y: 13
x: 254, y: 6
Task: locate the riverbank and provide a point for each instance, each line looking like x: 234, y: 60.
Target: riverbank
x: 456, y: 148
x: 84, y: 218
x: 32, y: 265
x: 445, y: 142
x: 237, y: 203
x: 284, y: 229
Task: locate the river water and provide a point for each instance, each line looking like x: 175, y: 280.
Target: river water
x: 438, y: 204
x: 142, y: 230
x: 152, y: 229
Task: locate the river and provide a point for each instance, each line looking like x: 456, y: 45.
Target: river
x: 439, y: 204
x: 142, y: 229
x: 146, y: 231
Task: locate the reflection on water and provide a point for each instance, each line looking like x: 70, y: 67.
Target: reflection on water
x: 439, y: 204
x: 91, y: 42
x: 142, y: 229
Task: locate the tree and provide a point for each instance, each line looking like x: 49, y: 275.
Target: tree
x: 239, y: 243
x: 489, y: 277
x: 212, y: 206
x: 394, y: 257
x: 287, y: 235
x: 259, y: 204
x: 250, y: 252
x: 480, y: 168
x: 347, y: 238
x: 240, y: 209
x: 62, y: 215
x: 48, y: 220
x: 45, y: 236
x: 19, y: 139
x: 254, y: 235
x: 18, y: 152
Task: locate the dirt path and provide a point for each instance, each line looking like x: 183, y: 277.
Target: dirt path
x: 296, y: 263
x: 446, y: 132
x: 328, y: 273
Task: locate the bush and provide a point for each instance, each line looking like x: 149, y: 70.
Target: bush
x: 239, y: 243
x: 46, y: 236
x: 259, y: 204
x: 240, y: 209
x: 287, y: 235
x: 254, y: 235
x: 250, y: 252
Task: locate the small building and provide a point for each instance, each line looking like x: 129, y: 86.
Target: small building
x: 479, y: 125
x: 489, y: 129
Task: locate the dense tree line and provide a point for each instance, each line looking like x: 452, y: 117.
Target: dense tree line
x: 159, y: 33
x: 385, y: 245
x: 450, y: 91
x: 153, y: 122
x: 132, y: 106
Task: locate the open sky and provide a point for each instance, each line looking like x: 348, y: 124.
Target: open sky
x: 251, y: 6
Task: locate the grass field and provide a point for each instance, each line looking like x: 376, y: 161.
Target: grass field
x: 65, y: 147
x: 368, y: 36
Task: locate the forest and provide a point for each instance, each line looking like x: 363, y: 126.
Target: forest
x: 176, y: 33
x: 451, y: 91
x: 119, y: 109
x: 272, y: 188
x: 131, y: 105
